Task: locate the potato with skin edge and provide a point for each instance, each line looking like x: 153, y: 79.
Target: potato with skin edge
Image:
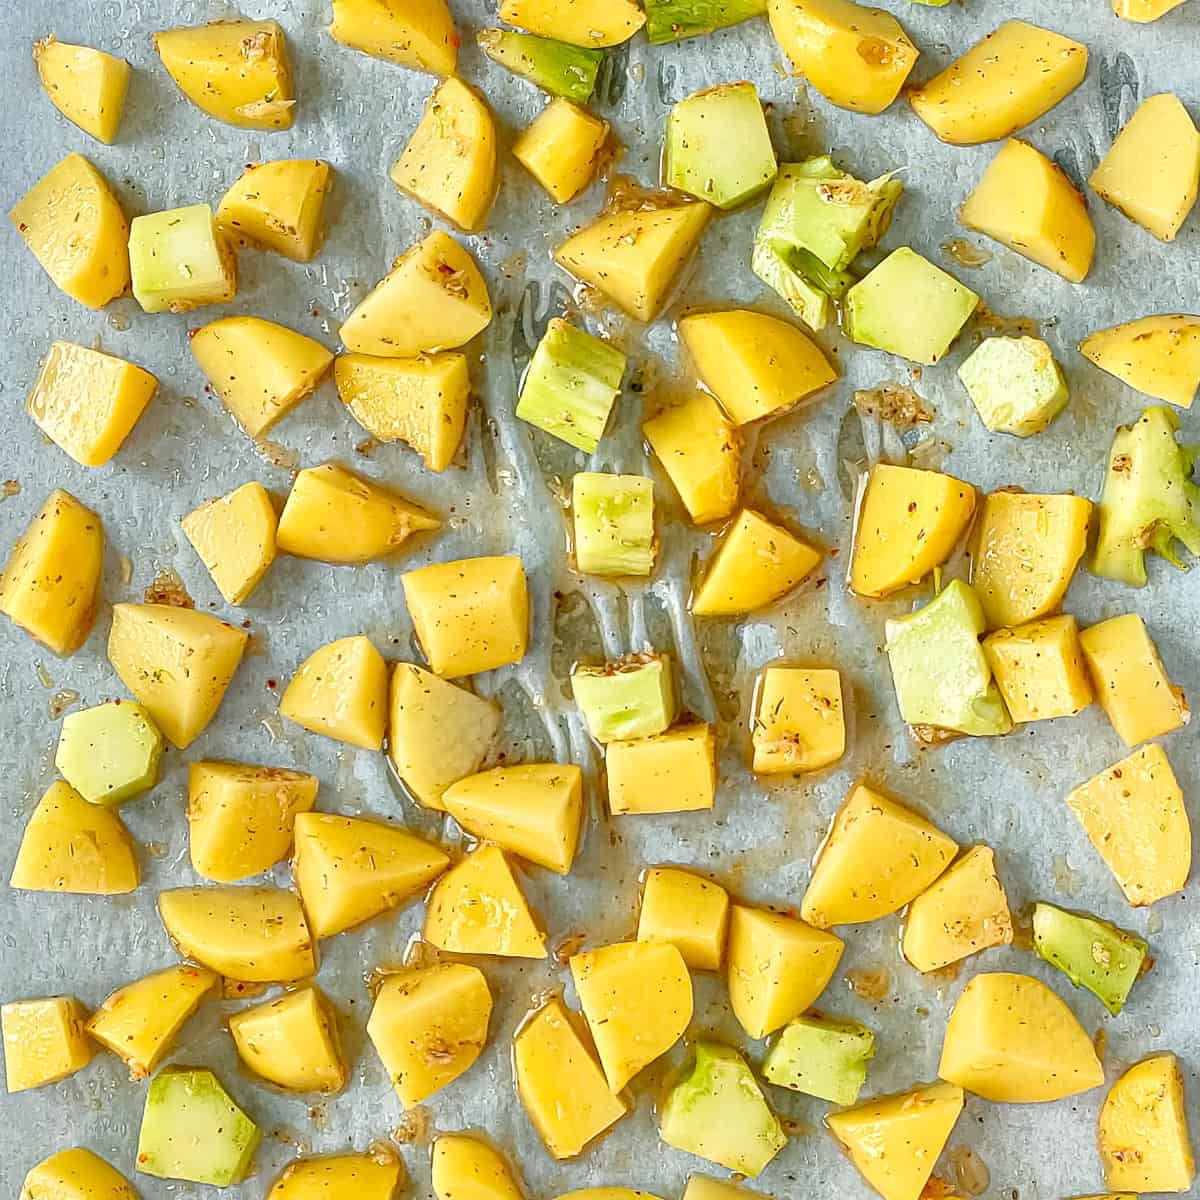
x: 1144, y: 1141
x: 468, y: 1168
x: 562, y: 149
x: 291, y: 1042
x: 413, y: 33
x: 278, y: 206
x: 376, y: 1175
x: 1158, y: 356
x: 588, y: 23
x: 86, y: 85
x: 234, y: 536
x: 698, y: 448
x: 45, y: 1040
x: 76, y: 1174
x: 341, y: 691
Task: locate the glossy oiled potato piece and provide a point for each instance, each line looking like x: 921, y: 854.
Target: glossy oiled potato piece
x: 689, y: 911
x: 234, y: 536
x: 1144, y: 1141
x: 45, y: 1040
x: 468, y: 1168
x: 376, y: 1175
x: 414, y: 33
x: 1158, y: 355
x: 76, y: 1175
x: 561, y: 148
x: 292, y: 1042
x: 698, y: 448
x: 87, y: 86
x: 278, y: 206
x: 592, y: 23
x: 341, y: 691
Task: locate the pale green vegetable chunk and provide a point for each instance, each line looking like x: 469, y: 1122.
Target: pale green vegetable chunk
x: 556, y: 67
x: 631, y: 698
x: 109, y: 753
x: 1015, y: 384
x: 614, y: 523
x: 821, y: 1057
x: 672, y: 20
x: 179, y: 260
x: 1091, y: 953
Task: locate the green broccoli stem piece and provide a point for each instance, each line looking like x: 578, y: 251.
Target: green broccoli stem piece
x: 673, y: 20
x: 1091, y: 953
x: 556, y: 67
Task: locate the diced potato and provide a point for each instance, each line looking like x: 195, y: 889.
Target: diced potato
x: 699, y: 450
x: 562, y: 148
x: 478, y: 907
x: 291, y: 1042
x: 591, y: 23
x: 908, y: 523
x: 421, y: 401
x: 349, y: 870
x: 1159, y: 356
x: 778, y: 966
x: 86, y: 85
x: 341, y: 691
x: 109, y: 753
x: 237, y: 71
x: 428, y: 1025
x: 674, y: 771
x: 799, y: 723
x: 414, y: 33
x: 755, y: 563
x: 179, y: 260
x: 50, y: 585
x: 700, y: 1187
x: 961, y: 913
x: 896, y: 1142
x: 1027, y: 203
x: 561, y: 1083
x: 468, y: 1168
x: 1039, y: 669
x: 1144, y: 1141
x: 234, y: 536
x: 433, y: 299
x: 1015, y: 75
x: 177, y: 662
x: 70, y: 845
x: 611, y: 983
x: 878, y: 856
x: 76, y: 1175
x: 1144, y: 11
x: 449, y: 164
x: 74, y: 225
x: 1024, y: 551
x: 87, y: 402
x: 534, y: 810
x: 139, y: 1021
x: 260, y: 370
x: 240, y: 817
x: 856, y: 57
x: 635, y: 257
x: 278, y: 206
x: 44, y: 1041
x: 1152, y: 171
x: 471, y: 615
x: 687, y: 910
x: 1135, y: 817
x: 1011, y: 1039
x: 251, y: 934
x: 755, y: 365
x: 376, y: 1175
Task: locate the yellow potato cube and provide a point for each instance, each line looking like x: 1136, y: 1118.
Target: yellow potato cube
x: 755, y: 563
x: 234, y: 536
x: 278, y: 206
x: 561, y: 1083
x: 908, y: 522
x: 478, y: 907
x: 778, y: 966
x: 237, y: 71
x: 961, y: 913
x: 44, y: 1041
x: 376, y: 1175
x: 50, y: 585
x: 250, y: 934
x: 635, y: 257
x: 1144, y: 1141
x: 260, y: 370
x: 611, y: 984
x: 414, y: 33
x: 70, y: 845
x: 139, y: 1021
x: 470, y: 615
x: 348, y: 869
x: 1144, y: 11
x: 177, y: 663
x: 674, y: 771
x: 799, y: 723
x: 687, y: 910
x: 76, y: 1175
x: 1132, y: 684
x: 1135, y: 817
x: 1158, y: 355
x: 428, y: 1025
x: 87, y: 402
x: 75, y: 227
x: 1012, y: 1040
x: 1039, y: 669
x: 1013, y: 76
x: 341, y: 691
x: 856, y: 57
x: 589, y: 23
x: 1024, y: 551
x: 468, y: 1168
x: 86, y: 85
x: 534, y: 810
x: 755, y: 365
x: 421, y: 401
x: 291, y: 1042
x: 240, y: 817
x: 699, y: 450
x: 1152, y: 171
x: 562, y: 148
x: 700, y: 1187
x: 433, y: 299
x: 878, y: 856
x: 896, y: 1142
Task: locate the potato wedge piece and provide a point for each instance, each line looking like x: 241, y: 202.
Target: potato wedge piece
x: 251, y: 934
x: 76, y: 1175
x: 86, y: 85
x: 340, y: 691
x: 687, y: 910
x: 590, y: 23
x: 376, y: 1175
x: 1039, y: 669
x: 1144, y: 11
x: 237, y: 71
x: 468, y: 1168
x: 234, y: 536
x: 698, y: 448
x: 1144, y: 1141
x: 70, y: 845
x: 278, y: 206
x: 44, y: 1041
x: 74, y: 225
x: 1159, y: 356
x: 561, y: 149
x: 414, y: 33
x: 799, y: 721
x: 291, y: 1042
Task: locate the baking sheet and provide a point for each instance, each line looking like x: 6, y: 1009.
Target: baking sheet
x: 356, y: 112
